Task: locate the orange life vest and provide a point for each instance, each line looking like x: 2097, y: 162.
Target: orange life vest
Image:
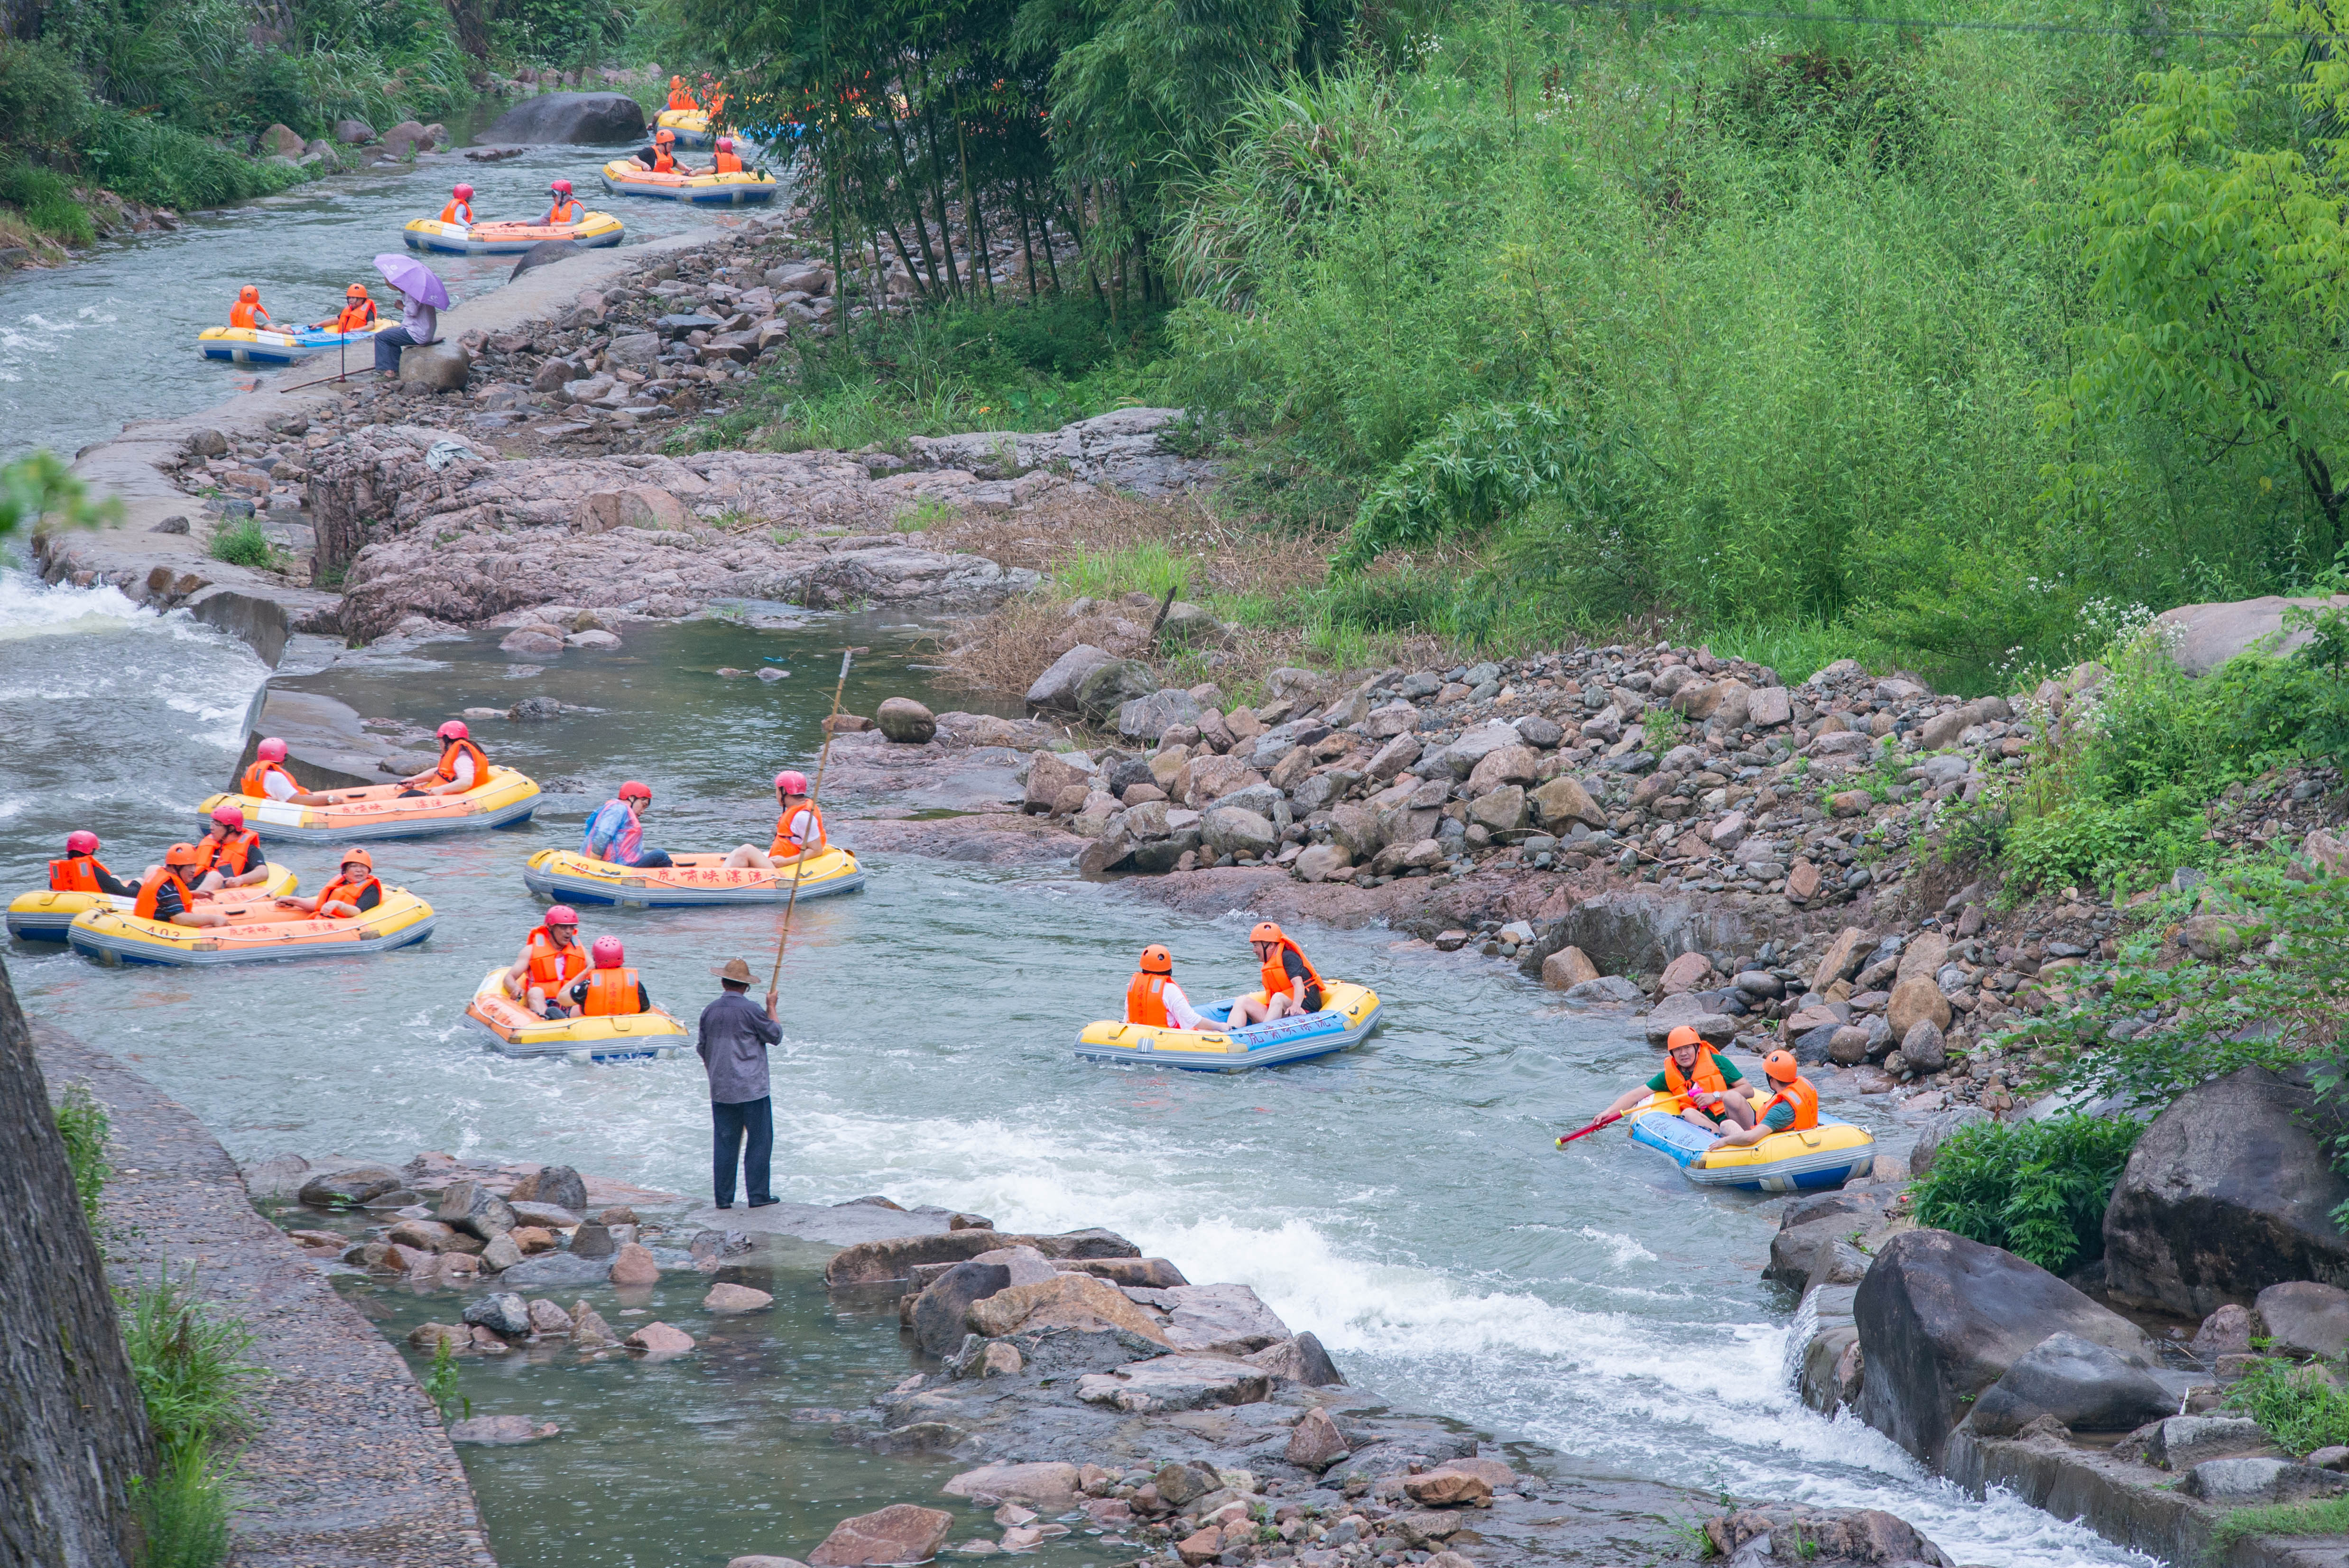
x: 255, y: 784
x: 1146, y: 1002
x: 447, y: 769
x: 785, y: 845
x: 145, y: 906
x: 349, y: 892
x: 75, y: 873
x: 563, y: 213
x: 611, y: 992
x: 682, y: 98
x: 1708, y: 1075
x: 233, y: 854
x: 725, y: 163
x: 551, y: 965
x: 663, y: 163
x: 250, y: 316
x: 356, y: 317
x: 457, y: 213
x: 1803, y: 1097
x: 1274, y: 974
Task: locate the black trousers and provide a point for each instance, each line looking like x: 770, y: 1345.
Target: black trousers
x: 654, y: 858
x: 728, y: 1127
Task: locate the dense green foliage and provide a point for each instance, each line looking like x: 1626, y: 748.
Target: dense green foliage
x: 40, y: 487
x: 82, y: 1123
x: 2301, y: 1407
x: 2036, y: 1188
x: 245, y: 544
x: 188, y: 1359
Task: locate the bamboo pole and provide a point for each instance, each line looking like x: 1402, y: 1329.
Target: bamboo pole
x: 822, y: 759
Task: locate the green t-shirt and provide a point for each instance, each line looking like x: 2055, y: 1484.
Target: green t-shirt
x: 1729, y: 1077
x: 1779, y: 1117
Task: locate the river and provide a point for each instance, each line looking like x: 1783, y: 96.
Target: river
x: 1403, y: 1200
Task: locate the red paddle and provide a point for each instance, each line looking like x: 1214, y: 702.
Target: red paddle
x: 1615, y: 1115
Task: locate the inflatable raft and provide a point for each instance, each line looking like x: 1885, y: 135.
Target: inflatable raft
x: 1827, y: 1155
x: 380, y: 812
x: 255, y: 934
x: 592, y: 230
x: 518, y: 1032
x: 43, y: 916
x: 262, y: 346
x: 567, y: 876
x: 690, y: 125
x: 1351, y: 1014
x: 626, y: 177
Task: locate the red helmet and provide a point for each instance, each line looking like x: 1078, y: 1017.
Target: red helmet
x: 271, y: 751
x: 632, y: 789
x: 725, y: 144
x: 1265, y: 932
x: 1780, y: 1066
x: 792, y: 783
x: 561, y: 914
x: 81, y: 841
x: 454, y: 730
x: 1156, y: 960
x: 463, y: 193
x: 608, y: 953
x: 561, y: 186
x: 181, y: 855
x: 229, y: 816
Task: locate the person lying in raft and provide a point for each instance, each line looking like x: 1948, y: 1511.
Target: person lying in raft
x: 1291, y: 984
x: 352, y: 894
x: 1152, y: 996
x: 82, y: 871
x: 799, y: 829
x: 616, y: 832
x: 229, y: 855
x: 1794, y: 1107
x: 164, y: 894
x: 611, y: 990
x: 551, y: 960
x: 248, y: 311
x: 1693, y: 1068
x: 267, y: 779
x: 460, y: 767
x: 358, y: 313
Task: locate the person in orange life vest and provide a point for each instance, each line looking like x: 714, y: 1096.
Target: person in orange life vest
x: 799, y: 829
x: 563, y: 211
x: 82, y: 871
x: 1290, y: 984
x: 358, y: 313
x: 230, y: 853
x: 680, y: 96
x: 461, y: 766
x: 248, y: 310
x: 1692, y: 1065
x: 164, y: 894
x: 1152, y: 996
x: 551, y: 959
x: 726, y: 161
x: 267, y: 778
x: 1792, y: 1106
x: 352, y: 894
x: 611, y: 989
x: 460, y: 209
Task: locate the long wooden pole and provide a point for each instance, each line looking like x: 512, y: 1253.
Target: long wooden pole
x: 799, y: 868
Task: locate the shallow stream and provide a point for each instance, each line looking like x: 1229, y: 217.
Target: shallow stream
x: 1402, y: 1201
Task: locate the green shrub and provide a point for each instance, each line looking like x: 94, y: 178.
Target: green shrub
x: 245, y: 544
x: 44, y: 103
x: 183, y: 1512
x: 85, y: 1126
x: 2300, y: 1407
x: 152, y: 161
x: 46, y: 200
x: 2036, y: 1188
x: 189, y: 1362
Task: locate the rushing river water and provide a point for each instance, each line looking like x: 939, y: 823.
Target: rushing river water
x: 111, y: 337
x: 1403, y: 1200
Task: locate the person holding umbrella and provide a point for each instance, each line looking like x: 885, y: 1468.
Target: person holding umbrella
x: 422, y: 296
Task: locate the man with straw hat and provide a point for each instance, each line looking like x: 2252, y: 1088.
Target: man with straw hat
x: 733, y: 1047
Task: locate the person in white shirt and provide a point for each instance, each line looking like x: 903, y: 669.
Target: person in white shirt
x: 1152, y: 996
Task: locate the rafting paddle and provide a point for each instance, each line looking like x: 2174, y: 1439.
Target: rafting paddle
x: 823, y: 757
x: 1615, y: 1115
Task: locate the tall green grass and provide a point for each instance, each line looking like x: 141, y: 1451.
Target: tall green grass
x: 189, y: 1361
x: 84, y: 1125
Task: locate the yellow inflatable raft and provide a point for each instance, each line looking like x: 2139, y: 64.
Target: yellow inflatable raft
x: 1351, y: 1014
x: 629, y: 1036
x: 626, y: 177
x: 43, y: 916
x: 567, y: 876
x: 1822, y: 1157
x: 691, y: 126
x: 255, y: 934
x: 381, y: 811
x: 593, y: 231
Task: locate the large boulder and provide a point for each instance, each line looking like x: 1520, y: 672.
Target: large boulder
x: 2204, y: 636
x: 1235, y: 831
x: 940, y: 1312
x: 904, y: 721
x: 2089, y: 1387
x: 591, y: 119
x: 2231, y: 1190
x: 1941, y: 1318
x: 1055, y: 690
x: 441, y: 366
x: 2306, y: 1318
x: 1076, y: 1300
x: 901, y: 1532
x: 1107, y: 688
x: 1148, y: 717
x: 1222, y: 1320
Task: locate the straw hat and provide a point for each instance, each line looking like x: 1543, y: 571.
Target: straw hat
x: 736, y: 971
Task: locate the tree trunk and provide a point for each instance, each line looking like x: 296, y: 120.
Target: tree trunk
x: 73, y: 1429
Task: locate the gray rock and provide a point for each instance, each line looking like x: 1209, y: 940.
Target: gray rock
x: 2089, y: 1387
x: 1235, y: 831
x: 502, y: 1313
x: 547, y: 1216
x: 636, y: 348
x: 1148, y: 717
x: 441, y: 366
x: 475, y: 1210
x: 1190, y: 626
x: 2230, y: 1190
x: 502, y: 1252
x: 550, y: 1269
x: 1300, y: 1360
x: 2239, y: 1482
x: 1535, y: 731
x: 1168, y: 1383
x: 1107, y: 688
x: 2306, y: 1318
x: 1924, y: 1047
x: 1937, y: 1133
x: 2181, y: 1442
x: 504, y: 1431
x: 2205, y: 636
x: 1221, y: 1320
x: 354, y: 132
x: 349, y: 1187
x: 904, y: 721
x: 592, y: 1241
x: 590, y: 120
x: 941, y: 1310
x: 1611, y: 988
x: 1056, y: 689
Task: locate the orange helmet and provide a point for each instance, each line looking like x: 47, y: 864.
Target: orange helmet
x: 355, y: 856
x: 356, y: 291
x: 1156, y: 960
x: 1780, y: 1066
x: 1266, y: 931
x: 181, y: 855
x: 248, y: 293
x: 664, y: 135
x: 1683, y: 1036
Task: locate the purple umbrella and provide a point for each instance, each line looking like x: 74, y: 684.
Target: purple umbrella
x: 413, y: 278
